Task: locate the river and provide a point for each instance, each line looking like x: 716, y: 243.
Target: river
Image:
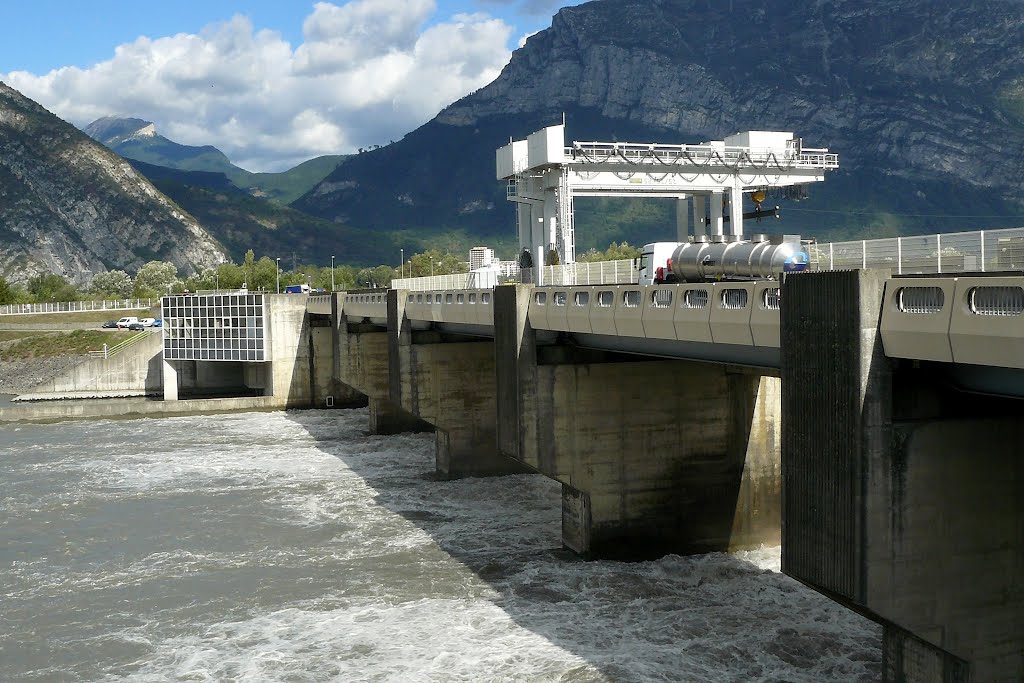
x: 296, y: 547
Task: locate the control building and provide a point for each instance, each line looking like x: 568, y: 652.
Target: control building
x: 234, y: 344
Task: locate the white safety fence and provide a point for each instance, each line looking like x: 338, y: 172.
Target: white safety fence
x: 979, y: 251
x: 621, y: 272
x: 78, y: 306
x: 473, y: 280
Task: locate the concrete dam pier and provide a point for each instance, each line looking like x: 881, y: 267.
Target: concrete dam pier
x: 902, y: 498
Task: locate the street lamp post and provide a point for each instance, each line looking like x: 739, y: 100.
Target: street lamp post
x: 332, y: 272
x: 278, y: 261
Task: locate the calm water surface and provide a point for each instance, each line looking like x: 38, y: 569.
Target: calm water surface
x: 295, y: 547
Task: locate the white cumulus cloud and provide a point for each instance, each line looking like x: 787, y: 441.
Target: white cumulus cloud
x: 367, y: 72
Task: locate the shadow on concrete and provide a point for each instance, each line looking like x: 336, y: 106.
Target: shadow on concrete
x: 706, y: 617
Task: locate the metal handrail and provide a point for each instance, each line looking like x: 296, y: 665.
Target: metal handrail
x: 120, y: 346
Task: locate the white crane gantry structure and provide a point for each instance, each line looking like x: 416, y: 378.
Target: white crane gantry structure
x: 544, y: 175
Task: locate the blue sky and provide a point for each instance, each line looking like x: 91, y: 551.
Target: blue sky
x: 270, y: 82
x: 41, y: 35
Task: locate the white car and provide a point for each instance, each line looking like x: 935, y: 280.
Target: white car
x: 148, y: 322
x: 123, y: 323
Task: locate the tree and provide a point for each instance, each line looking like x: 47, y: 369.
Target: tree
x: 155, y: 278
x: 380, y: 276
x: 6, y: 293
x: 113, y: 283
x: 230, y: 276
x: 433, y: 261
x: 45, y: 287
x: 264, y: 275
x: 249, y: 269
x: 615, y: 252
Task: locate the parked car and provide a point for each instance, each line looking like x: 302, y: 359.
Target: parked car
x: 158, y: 322
x: 123, y: 323
x: 147, y: 322
x: 136, y: 326
x: 109, y: 324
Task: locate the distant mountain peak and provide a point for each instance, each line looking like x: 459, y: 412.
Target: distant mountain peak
x: 113, y: 130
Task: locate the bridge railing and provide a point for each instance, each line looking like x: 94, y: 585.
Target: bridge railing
x: 957, y: 252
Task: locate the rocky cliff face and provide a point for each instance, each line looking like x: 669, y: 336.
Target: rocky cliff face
x: 923, y: 99
x: 921, y: 88
x: 68, y: 205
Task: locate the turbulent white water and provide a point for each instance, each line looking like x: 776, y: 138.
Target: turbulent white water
x: 294, y: 547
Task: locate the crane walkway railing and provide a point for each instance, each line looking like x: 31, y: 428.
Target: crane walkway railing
x: 109, y: 351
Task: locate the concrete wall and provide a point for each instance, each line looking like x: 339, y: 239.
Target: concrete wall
x: 52, y: 411
x: 288, y: 330
x: 136, y: 368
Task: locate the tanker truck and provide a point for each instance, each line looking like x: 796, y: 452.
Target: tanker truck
x: 720, y: 258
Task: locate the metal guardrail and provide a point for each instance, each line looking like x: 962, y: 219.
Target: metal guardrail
x: 77, y: 306
x: 107, y: 352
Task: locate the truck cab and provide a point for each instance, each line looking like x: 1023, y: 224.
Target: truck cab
x: 656, y: 263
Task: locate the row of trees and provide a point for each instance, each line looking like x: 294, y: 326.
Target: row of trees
x: 160, y: 277
x: 157, y: 278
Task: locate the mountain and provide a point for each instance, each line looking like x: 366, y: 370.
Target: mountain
x: 139, y: 140
x: 241, y: 222
x: 922, y: 99
x: 71, y: 206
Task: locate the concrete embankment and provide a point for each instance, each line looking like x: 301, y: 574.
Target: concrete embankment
x: 130, y: 408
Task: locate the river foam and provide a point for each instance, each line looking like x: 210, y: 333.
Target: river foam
x: 296, y: 547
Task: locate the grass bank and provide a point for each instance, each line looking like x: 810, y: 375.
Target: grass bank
x: 61, y: 343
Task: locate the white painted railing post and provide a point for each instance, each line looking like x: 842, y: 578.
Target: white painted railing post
x: 864, y: 254
x: 981, y: 234
x: 899, y: 255
x: 831, y: 258
x: 938, y: 250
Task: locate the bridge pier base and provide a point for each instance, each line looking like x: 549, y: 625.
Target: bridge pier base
x: 654, y: 456
x: 902, y: 495
x: 387, y: 418
x: 448, y: 382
